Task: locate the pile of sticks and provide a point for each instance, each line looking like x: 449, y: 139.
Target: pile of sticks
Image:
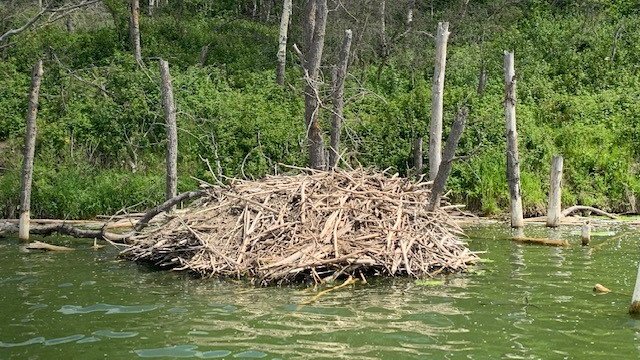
x: 316, y: 226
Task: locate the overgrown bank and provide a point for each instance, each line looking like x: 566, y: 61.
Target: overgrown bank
x: 100, y: 142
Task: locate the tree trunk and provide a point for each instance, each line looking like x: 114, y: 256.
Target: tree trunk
x: 315, y: 27
x: 417, y: 155
x: 554, y: 211
x: 482, y: 79
x: 411, y: 5
x: 204, y: 54
x: 449, y: 152
x: 29, y: 151
x: 437, y: 92
x: 152, y: 3
x: 69, y: 24
x: 134, y: 30
x: 513, y: 163
x: 338, y: 98
x: 172, y: 131
x: 282, y: 41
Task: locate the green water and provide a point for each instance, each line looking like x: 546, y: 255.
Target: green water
x: 527, y: 302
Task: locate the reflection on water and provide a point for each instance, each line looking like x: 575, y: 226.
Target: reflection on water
x: 528, y: 302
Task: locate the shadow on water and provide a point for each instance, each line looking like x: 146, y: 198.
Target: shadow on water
x: 524, y: 302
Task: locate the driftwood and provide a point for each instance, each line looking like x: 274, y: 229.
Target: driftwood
x: 569, y: 211
x: 315, y: 226
x: 39, y: 245
x: 541, y: 241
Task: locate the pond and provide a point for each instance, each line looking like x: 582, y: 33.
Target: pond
x: 525, y: 302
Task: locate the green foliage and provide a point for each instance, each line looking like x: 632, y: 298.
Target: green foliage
x: 101, y: 135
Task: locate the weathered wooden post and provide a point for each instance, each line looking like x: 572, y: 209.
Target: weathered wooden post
x: 339, y: 74
x: 172, y: 131
x: 585, y: 233
x: 554, y: 211
x: 634, y: 309
x: 437, y: 92
x: 282, y: 41
x: 29, y: 151
x: 449, y: 152
x: 513, y: 163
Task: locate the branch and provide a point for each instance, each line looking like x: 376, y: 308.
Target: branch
x: 63, y: 9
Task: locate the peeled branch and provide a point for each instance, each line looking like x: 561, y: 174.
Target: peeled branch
x: 599, y: 289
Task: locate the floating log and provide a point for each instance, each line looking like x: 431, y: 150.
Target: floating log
x: 600, y: 289
x: 39, y: 245
x: 541, y: 241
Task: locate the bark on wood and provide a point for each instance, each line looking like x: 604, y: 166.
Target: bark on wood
x: 513, y: 162
x: 417, y: 155
x: 282, y: 41
x: 29, y: 151
x: 315, y: 26
x: 570, y: 210
x: 152, y: 4
x: 437, y: 92
x: 449, y: 152
x: 172, y: 131
x: 134, y: 29
x: 554, y: 211
x: 411, y: 5
x: 69, y: 24
x: 338, y: 98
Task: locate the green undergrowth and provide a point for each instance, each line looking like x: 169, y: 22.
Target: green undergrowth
x: 101, y: 141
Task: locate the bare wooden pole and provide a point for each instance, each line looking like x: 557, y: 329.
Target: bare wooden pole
x: 338, y: 98
x: 314, y: 31
x: 134, y: 29
x: 585, y: 233
x: 554, y: 211
x: 29, y: 151
x: 513, y: 163
x: 449, y: 152
x: 282, y: 41
x: 172, y: 131
x: 437, y: 92
x: 634, y: 309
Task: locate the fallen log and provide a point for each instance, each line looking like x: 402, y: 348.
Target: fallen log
x: 569, y: 211
x: 39, y: 245
x: 541, y: 241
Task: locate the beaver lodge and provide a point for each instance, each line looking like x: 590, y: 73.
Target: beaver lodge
x: 316, y: 226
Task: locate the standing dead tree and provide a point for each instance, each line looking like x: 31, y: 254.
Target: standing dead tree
x: 29, y: 151
x: 513, y: 162
x: 282, y: 41
x: 554, y: 210
x: 449, y: 153
x: 314, y: 32
x: 437, y: 92
x: 134, y: 29
x: 169, y: 106
x: 339, y: 74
